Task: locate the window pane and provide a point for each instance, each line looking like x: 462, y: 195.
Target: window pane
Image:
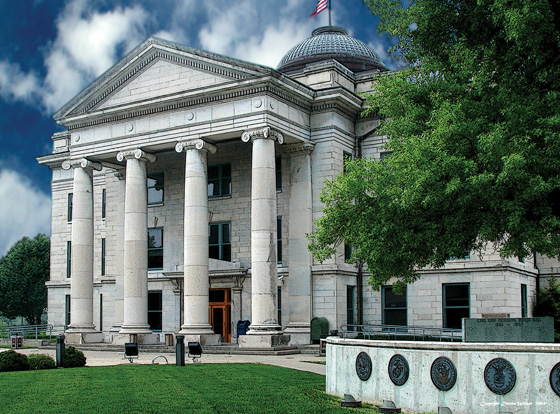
x: 225, y: 233
x: 214, y: 252
x: 395, y: 317
x: 155, y: 196
x: 213, y: 172
x: 155, y: 238
x: 154, y: 301
x: 226, y: 253
x: 212, y: 189
x: 454, y: 316
x: 457, y: 295
x: 155, y: 259
x: 394, y: 301
x: 226, y: 186
x: 226, y: 170
x: 217, y: 296
x: 155, y: 183
x: 214, y: 234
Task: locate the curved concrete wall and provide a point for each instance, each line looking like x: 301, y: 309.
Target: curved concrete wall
x: 532, y: 392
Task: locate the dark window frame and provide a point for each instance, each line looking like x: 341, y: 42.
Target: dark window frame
x: 70, y: 206
x: 222, y: 182
x: 155, y: 313
x: 103, y: 203
x: 67, y: 310
x: 279, y: 300
x: 155, y: 249
x: 350, y: 304
x: 157, y: 186
x: 387, y: 307
x: 103, y: 255
x: 446, y: 307
x: 224, y: 247
x: 279, y: 239
x: 524, y: 301
x: 278, y: 171
x: 68, y: 259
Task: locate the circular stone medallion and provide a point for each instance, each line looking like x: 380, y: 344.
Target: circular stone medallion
x: 363, y: 366
x: 499, y: 376
x: 443, y: 373
x: 555, y: 379
x: 398, y: 369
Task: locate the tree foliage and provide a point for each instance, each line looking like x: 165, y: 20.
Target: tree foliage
x: 23, y: 273
x: 548, y: 304
x: 474, y: 126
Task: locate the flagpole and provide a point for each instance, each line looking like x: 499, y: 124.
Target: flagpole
x: 330, y: 7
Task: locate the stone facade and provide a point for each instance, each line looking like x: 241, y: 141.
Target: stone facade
x: 176, y: 111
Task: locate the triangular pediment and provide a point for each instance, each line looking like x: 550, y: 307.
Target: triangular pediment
x: 162, y: 78
x: 154, y: 70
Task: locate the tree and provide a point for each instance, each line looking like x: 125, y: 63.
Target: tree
x: 474, y: 126
x: 23, y: 273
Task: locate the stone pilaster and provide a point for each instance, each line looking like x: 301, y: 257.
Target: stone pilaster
x: 196, y: 324
x: 135, y: 301
x: 300, y: 224
x: 119, y: 265
x: 264, y: 323
x: 81, y: 283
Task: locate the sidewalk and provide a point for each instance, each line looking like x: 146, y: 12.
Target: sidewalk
x: 302, y: 362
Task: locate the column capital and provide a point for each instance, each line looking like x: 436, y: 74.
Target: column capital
x: 262, y: 133
x: 81, y: 163
x: 136, y: 154
x: 299, y: 148
x: 197, y: 144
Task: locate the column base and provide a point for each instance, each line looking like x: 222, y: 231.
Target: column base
x: 299, y: 334
x: 116, y: 328
x: 135, y: 329
x: 141, y: 338
x: 206, y: 339
x: 260, y: 340
x: 77, y: 338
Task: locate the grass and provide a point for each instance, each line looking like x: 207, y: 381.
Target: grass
x: 200, y: 388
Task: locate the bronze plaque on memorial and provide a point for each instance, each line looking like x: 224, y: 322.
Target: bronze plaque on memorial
x: 499, y: 376
x: 398, y: 369
x: 443, y: 373
x: 363, y: 366
x: 555, y: 379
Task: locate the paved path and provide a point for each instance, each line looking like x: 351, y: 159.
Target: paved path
x: 302, y: 362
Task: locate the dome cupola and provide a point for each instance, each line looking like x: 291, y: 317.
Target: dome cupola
x: 332, y: 42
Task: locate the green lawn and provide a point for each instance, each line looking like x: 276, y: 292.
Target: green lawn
x: 200, y: 388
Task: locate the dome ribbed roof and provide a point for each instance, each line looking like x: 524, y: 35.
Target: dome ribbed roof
x: 332, y: 42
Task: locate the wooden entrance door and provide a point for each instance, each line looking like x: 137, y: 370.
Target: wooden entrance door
x: 220, y: 312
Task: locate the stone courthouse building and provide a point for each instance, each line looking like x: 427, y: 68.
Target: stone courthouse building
x: 184, y: 187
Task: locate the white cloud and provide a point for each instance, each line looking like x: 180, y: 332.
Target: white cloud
x: 87, y: 44
x: 386, y: 58
x: 24, y: 210
x: 15, y: 84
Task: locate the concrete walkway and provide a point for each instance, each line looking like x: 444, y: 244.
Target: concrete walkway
x: 302, y: 362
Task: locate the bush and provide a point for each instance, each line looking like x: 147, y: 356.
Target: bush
x: 41, y: 361
x: 73, y: 358
x: 13, y: 361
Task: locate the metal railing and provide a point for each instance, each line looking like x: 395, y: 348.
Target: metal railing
x: 26, y: 331
x: 415, y: 333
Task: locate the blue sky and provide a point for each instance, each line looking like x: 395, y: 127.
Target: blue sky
x: 52, y: 49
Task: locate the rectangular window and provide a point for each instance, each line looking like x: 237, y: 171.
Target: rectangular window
x: 155, y: 303
x: 101, y: 312
x: 456, y: 304
x: 68, y: 258
x: 347, y: 252
x: 67, y: 311
x: 155, y: 249
x: 280, y: 305
x: 103, y: 203
x: 103, y: 257
x: 523, y: 300
x: 350, y: 305
x: 394, y: 307
x: 279, y: 238
x: 346, y: 157
x: 70, y: 203
x: 278, y: 173
x: 385, y: 155
x: 220, y: 241
x: 155, y: 188
x: 219, y: 180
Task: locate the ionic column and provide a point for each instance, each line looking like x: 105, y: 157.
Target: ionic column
x: 135, y: 302
x: 300, y: 224
x: 195, y: 241
x: 118, y: 194
x: 263, y: 231
x: 81, y: 282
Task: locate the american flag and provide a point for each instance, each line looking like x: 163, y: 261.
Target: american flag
x: 321, y: 5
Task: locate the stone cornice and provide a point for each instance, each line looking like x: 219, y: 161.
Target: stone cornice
x: 262, y: 133
x: 197, y: 144
x: 300, y: 148
x: 81, y: 163
x: 137, y: 154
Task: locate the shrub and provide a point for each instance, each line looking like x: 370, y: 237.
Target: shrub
x: 41, y: 361
x: 13, y: 361
x: 73, y: 358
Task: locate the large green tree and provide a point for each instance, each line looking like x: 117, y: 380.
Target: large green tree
x: 23, y: 273
x: 474, y: 126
